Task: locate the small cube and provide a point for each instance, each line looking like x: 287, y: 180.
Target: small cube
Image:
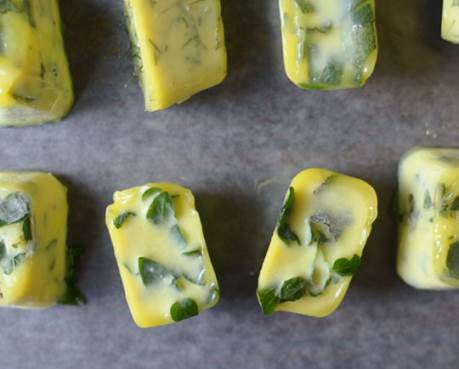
x: 161, y: 254
x: 450, y: 21
x: 428, y: 218
x: 317, y: 245
x: 329, y: 44
x: 35, y: 82
x: 33, y: 228
x: 178, y: 48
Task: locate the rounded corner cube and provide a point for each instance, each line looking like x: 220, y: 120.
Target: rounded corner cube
x: 178, y: 48
x: 33, y: 229
x: 161, y: 254
x: 450, y: 21
x: 35, y: 82
x: 427, y: 214
x: 329, y: 44
x: 317, y: 244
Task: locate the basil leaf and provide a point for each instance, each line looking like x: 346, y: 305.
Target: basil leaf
x: 120, y: 219
x: 161, y: 209
x: 292, y: 289
x: 347, y: 267
x: 268, y: 300
x: 2, y: 250
x: 195, y: 252
x: 284, y: 231
x: 13, y: 209
x: 27, y: 229
x: 150, y: 192
x: 72, y: 294
x: 184, y: 309
x: 177, y: 235
x: 152, y: 272
x: 452, y: 261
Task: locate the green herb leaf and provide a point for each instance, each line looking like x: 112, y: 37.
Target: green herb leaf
x: 194, y: 253
x: 72, y: 294
x: 268, y: 300
x: 184, y: 309
x: 27, y: 229
x: 120, y: 219
x: 161, y: 209
x: 455, y: 205
x: 13, y: 209
x: 452, y: 261
x: 363, y: 15
x: 177, y: 235
x: 10, y: 265
x: 292, y: 289
x: 346, y: 267
x: 2, y: 250
x: 150, y: 192
x: 284, y: 231
x: 152, y: 272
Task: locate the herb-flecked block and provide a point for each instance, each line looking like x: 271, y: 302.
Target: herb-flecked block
x: 178, y: 48
x: 161, y: 254
x: 316, y: 247
x: 329, y: 44
x: 427, y: 213
x: 33, y: 228
x: 35, y: 82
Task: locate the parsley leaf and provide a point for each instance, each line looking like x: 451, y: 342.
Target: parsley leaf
x: 152, y: 272
x: 150, y: 192
x: 72, y: 294
x: 284, y: 231
x: 292, y: 289
x: 268, y: 300
x: 161, y: 209
x: 27, y: 229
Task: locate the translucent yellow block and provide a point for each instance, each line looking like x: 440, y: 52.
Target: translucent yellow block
x: 35, y: 83
x: 329, y: 44
x: 428, y: 218
x: 33, y: 228
x: 317, y: 244
x: 161, y: 253
x: 450, y: 21
x: 178, y: 48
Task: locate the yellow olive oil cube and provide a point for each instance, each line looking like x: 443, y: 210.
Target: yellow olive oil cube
x: 428, y: 218
x: 178, y: 48
x: 161, y: 254
x: 35, y: 83
x: 33, y: 228
x: 317, y: 244
x: 329, y: 44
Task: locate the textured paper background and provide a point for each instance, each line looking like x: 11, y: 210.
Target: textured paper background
x: 237, y: 146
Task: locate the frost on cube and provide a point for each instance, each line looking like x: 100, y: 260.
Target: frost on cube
x: 33, y: 227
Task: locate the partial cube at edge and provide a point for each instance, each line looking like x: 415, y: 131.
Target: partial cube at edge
x: 35, y: 82
x: 178, y: 48
x: 161, y: 253
x: 450, y: 21
x: 317, y: 244
x: 33, y: 228
x: 428, y: 218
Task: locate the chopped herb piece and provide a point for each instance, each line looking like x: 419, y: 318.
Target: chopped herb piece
x: 72, y: 294
x: 317, y: 234
x: 284, y: 231
x: 455, y: 205
x: 12, y: 263
x: 2, y: 250
x: 27, y: 229
x: 184, y: 309
x: 13, y: 209
x: 268, y: 300
x: 292, y: 289
x: 153, y: 272
x: 177, y: 235
x: 195, y: 252
x: 452, y: 261
x: 150, y: 192
x: 347, y: 267
x: 161, y: 209
x: 120, y: 219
